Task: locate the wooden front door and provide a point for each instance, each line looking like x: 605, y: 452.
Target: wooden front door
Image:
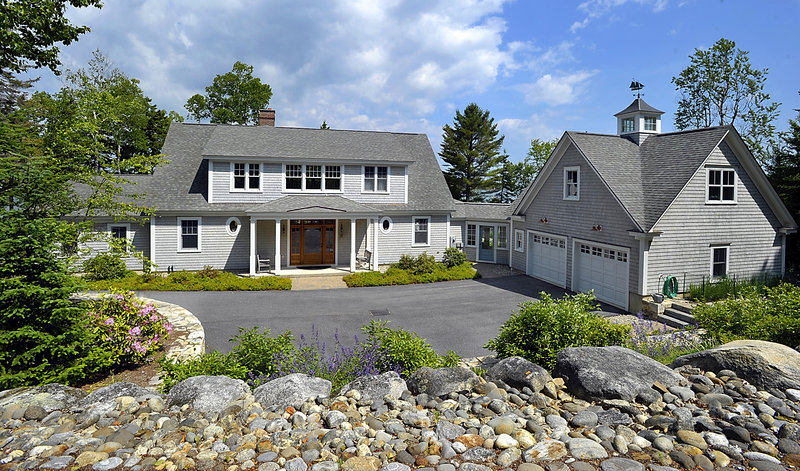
x: 312, y: 242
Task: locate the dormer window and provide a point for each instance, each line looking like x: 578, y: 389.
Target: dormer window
x: 649, y: 123
x: 246, y: 177
x: 572, y: 183
x: 376, y: 179
x: 628, y: 125
x: 312, y: 178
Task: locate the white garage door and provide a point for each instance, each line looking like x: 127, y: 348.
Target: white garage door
x: 605, y: 270
x: 547, y: 258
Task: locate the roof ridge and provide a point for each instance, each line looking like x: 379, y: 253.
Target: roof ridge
x: 688, y: 131
x: 248, y: 126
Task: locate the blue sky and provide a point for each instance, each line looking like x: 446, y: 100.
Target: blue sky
x: 539, y: 67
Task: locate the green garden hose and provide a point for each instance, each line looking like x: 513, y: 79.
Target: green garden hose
x: 670, y: 287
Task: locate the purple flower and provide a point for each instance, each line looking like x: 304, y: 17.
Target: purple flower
x: 109, y: 321
x: 135, y: 331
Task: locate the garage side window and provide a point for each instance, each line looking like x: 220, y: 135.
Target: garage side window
x: 519, y: 240
x: 572, y: 183
x: 189, y: 234
x: 502, y: 237
x: 719, y: 261
x: 471, y: 235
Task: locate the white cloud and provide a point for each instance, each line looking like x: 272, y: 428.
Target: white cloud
x: 556, y: 90
x: 598, y: 8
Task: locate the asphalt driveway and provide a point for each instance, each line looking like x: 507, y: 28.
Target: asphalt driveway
x: 457, y: 315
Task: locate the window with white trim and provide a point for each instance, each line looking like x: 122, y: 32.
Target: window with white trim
x: 628, y: 125
x: 519, y: 240
x: 649, y: 123
x: 312, y: 178
x: 502, y: 237
x: 233, y: 225
x: 572, y: 183
x: 719, y: 261
x: 386, y: 224
x: 376, y: 179
x: 189, y: 234
x: 120, y: 233
x: 246, y: 177
x: 421, y: 231
x: 721, y: 186
x: 472, y: 232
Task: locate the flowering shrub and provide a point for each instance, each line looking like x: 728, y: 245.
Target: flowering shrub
x: 129, y: 329
x: 663, y: 344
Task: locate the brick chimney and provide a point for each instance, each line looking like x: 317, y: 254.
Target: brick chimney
x: 266, y: 117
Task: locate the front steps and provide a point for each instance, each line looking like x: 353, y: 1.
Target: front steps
x: 679, y: 315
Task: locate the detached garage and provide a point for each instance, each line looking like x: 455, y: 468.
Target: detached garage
x: 547, y: 258
x: 604, y: 269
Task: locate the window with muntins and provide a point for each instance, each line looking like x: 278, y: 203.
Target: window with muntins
x: 120, y: 235
x: 719, y: 261
x: 253, y: 176
x: 239, y: 180
x: 472, y: 232
x: 333, y: 177
x: 721, y: 186
x: 190, y: 235
x: 502, y: 237
x: 421, y: 231
x: 519, y: 240
x: 649, y: 124
x: 376, y: 179
x: 313, y: 178
x: 572, y: 181
x: 628, y: 125
x: 294, y: 177
x: 246, y: 177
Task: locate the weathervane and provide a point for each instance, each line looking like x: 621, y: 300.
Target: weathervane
x: 635, y: 87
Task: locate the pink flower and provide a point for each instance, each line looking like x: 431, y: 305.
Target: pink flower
x: 139, y: 347
x: 109, y: 321
x: 135, y: 331
x: 168, y: 327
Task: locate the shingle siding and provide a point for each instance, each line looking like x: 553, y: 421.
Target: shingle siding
x: 574, y: 219
x: 139, y: 236
x: 690, y: 226
x: 218, y: 248
x: 398, y: 242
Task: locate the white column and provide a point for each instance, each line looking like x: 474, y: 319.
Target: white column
x: 277, y: 246
x: 153, y: 243
x: 643, y: 256
x: 375, y: 244
x: 252, y: 246
x: 511, y: 242
x: 352, y: 245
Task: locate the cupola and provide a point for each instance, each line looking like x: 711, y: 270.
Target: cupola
x: 638, y: 121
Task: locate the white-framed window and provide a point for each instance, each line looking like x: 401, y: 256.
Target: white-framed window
x: 719, y: 261
x: 121, y: 232
x: 472, y: 231
x: 502, y: 237
x: 649, y: 123
x: 245, y: 177
x: 313, y: 178
x: 519, y: 240
x: 386, y: 224
x: 233, y: 226
x: 421, y: 234
x: 376, y: 179
x: 572, y: 183
x: 628, y: 125
x: 721, y: 185
x: 189, y: 234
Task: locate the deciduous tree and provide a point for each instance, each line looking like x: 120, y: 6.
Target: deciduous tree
x: 234, y: 97
x: 721, y: 87
x: 471, y: 149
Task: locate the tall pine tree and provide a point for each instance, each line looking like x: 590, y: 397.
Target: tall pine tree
x: 784, y: 174
x: 471, y: 149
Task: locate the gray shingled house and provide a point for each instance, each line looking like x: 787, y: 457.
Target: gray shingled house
x: 618, y: 213
x: 248, y: 198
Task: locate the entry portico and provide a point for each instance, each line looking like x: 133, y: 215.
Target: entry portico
x: 301, y: 230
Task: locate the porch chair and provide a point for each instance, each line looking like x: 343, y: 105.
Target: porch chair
x: 364, y: 261
x: 263, y: 263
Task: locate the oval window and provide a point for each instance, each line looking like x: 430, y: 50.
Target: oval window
x: 386, y: 224
x: 233, y: 225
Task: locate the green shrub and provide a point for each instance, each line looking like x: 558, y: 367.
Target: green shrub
x: 257, y: 351
x: 104, y: 266
x: 213, y: 364
x: 774, y: 317
x: 541, y: 329
x: 404, y: 349
x: 406, y: 262
x: 664, y: 345
x: 453, y: 257
x: 127, y: 328
x: 422, y: 263
x: 398, y: 276
x: 205, y: 280
x: 737, y: 287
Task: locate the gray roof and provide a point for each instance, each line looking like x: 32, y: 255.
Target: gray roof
x: 639, y: 105
x: 313, y: 204
x: 182, y: 183
x: 481, y: 211
x: 647, y: 178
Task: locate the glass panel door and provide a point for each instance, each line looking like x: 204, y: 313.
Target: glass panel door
x: 486, y: 249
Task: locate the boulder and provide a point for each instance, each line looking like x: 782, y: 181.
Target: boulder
x: 764, y: 364
x: 519, y: 373
x: 377, y: 386
x: 207, y: 393
x: 290, y: 390
x: 441, y: 381
x: 597, y: 373
x: 107, y: 394
x: 50, y: 397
